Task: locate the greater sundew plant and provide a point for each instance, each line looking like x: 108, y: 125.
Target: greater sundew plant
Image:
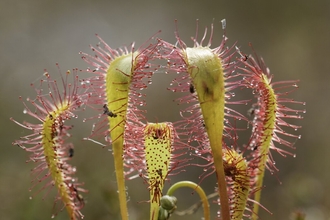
x: 48, y: 139
x: 154, y: 151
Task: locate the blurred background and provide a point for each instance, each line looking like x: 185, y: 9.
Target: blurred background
x: 292, y: 36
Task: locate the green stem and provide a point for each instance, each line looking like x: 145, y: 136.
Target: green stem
x: 216, y: 145
x: 119, y: 167
x: 198, y: 189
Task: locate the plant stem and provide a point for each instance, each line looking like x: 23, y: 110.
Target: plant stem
x: 198, y: 189
x: 218, y: 163
x: 119, y: 167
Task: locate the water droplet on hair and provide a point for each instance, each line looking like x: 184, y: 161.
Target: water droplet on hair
x: 223, y: 22
x: 304, y: 103
x: 294, y: 156
x: 24, y: 111
x: 299, y: 137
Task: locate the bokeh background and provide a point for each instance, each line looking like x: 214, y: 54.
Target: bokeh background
x: 292, y: 36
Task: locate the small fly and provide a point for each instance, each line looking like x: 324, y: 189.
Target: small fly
x: 191, y: 88
x: 108, y: 112
x: 71, y: 152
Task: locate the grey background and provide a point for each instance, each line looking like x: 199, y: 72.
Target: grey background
x: 292, y: 36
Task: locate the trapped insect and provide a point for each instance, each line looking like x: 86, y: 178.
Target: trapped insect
x: 108, y: 112
x: 71, y: 152
x: 191, y: 88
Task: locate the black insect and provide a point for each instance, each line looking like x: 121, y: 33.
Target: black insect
x: 245, y: 58
x: 108, y: 112
x: 191, y: 88
x: 71, y: 152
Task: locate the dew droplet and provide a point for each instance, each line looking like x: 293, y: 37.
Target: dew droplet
x: 24, y: 111
x: 223, y: 22
x: 299, y: 137
x: 294, y: 156
x: 30, y: 197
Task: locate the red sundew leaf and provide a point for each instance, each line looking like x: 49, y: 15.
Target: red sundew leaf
x: 47, y: 143
x: 117, y: 77
x: 209, y: 75
x: 270, y: 118
x: 177, y: 62
x: 128, y: 83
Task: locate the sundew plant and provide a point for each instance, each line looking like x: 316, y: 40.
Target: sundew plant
x: 208, y: 77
